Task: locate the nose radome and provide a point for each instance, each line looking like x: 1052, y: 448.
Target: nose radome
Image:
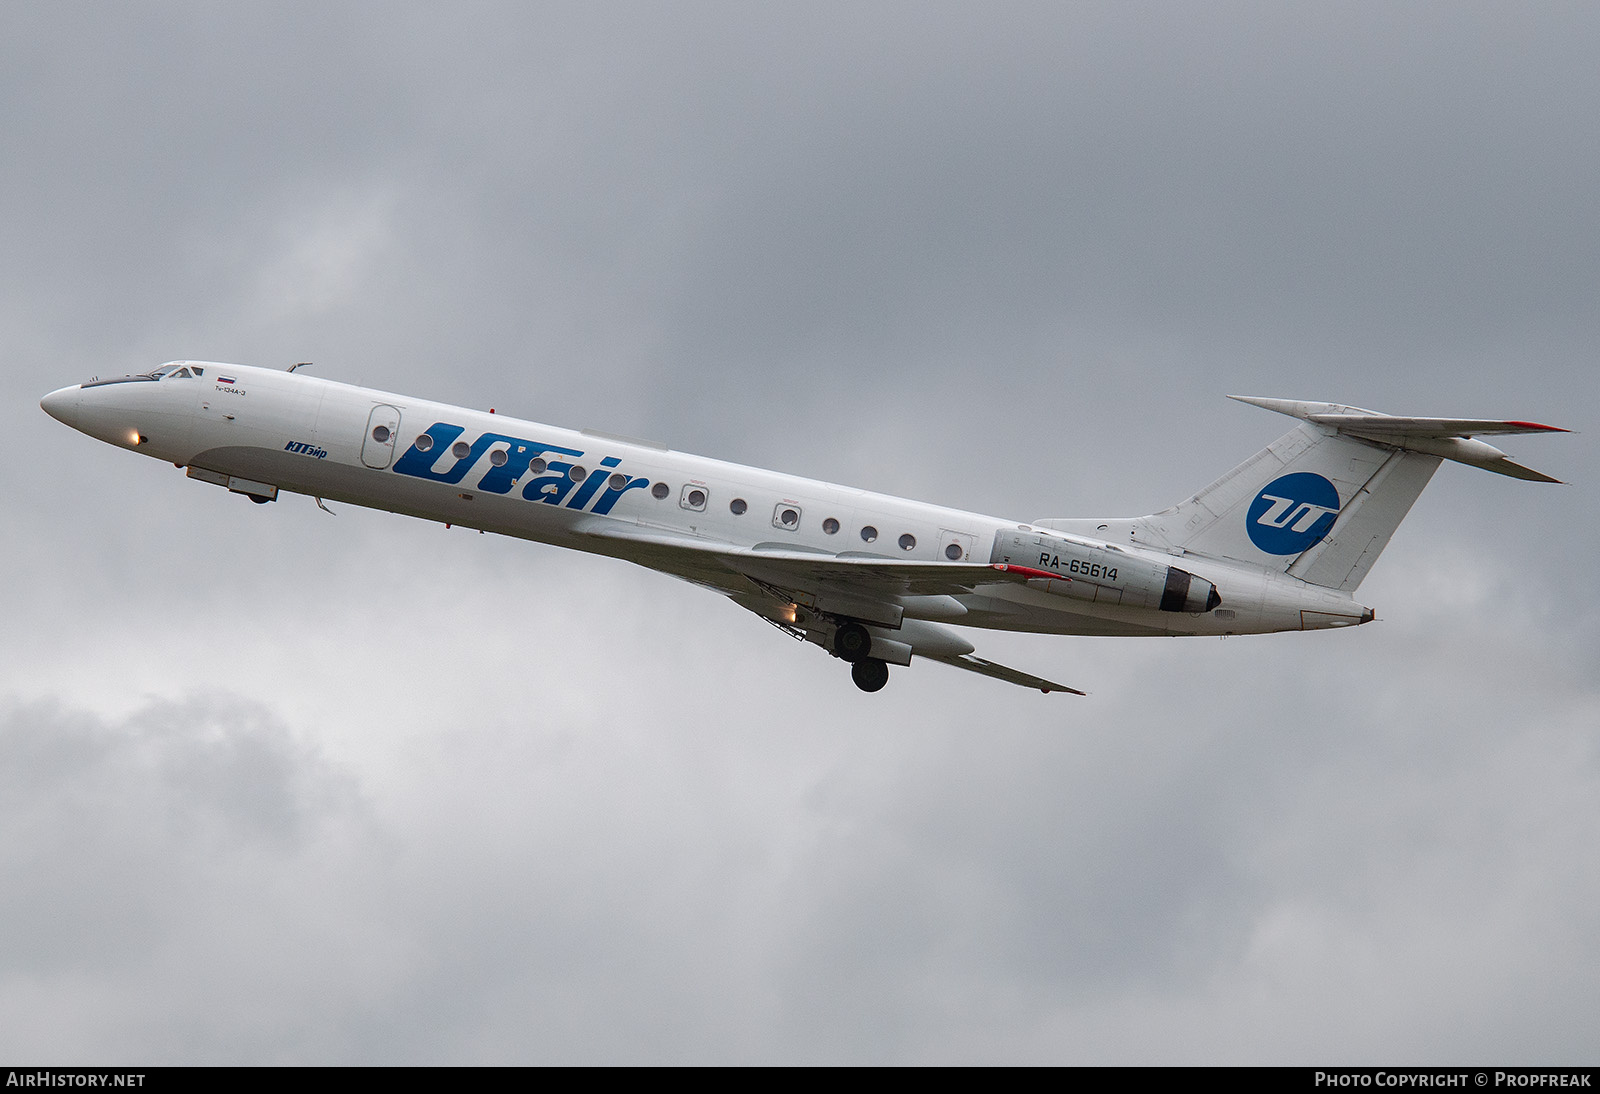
x: 62, y: 404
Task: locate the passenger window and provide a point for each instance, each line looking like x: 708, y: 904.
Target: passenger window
x: 738, y: 506
x: 869, y: 534
x: 693, y: 498
x: 830, y: 526
x: 786, y: 516
x: 660, y: 491
x: 908, y: 542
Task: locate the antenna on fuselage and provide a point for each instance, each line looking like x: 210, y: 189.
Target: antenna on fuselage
x: 299, y: 364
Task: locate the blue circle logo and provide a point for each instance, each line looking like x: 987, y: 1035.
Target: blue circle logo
x: 1292, y: 513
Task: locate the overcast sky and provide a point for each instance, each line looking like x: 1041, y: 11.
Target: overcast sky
x: 280, y: 787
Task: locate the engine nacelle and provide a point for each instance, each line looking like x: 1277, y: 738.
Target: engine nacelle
x: 1186, y: 593
x: 1101, y: 573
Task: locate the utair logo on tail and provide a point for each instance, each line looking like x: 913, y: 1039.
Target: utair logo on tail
x: 1291, y: 513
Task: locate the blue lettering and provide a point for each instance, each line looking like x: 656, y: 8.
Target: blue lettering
x: 552, y: 488
x: 501, y: 479
x: 591, y: 484
x: 418, y: 463
x: 609, y: 498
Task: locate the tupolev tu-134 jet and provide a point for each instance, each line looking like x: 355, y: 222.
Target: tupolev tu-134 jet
x: 1280, y: 543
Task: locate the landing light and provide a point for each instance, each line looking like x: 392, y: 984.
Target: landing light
x: 138, y: 438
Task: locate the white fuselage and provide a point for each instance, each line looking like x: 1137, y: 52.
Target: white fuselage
x: 259, y: 430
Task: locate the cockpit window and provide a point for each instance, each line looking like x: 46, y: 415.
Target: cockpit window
x: 176, y: 369
x: 172, y: 372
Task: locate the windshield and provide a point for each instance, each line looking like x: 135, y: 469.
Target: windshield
x: 176, y: 371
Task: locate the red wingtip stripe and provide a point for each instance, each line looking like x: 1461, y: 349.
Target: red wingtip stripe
x: 1536, y: 425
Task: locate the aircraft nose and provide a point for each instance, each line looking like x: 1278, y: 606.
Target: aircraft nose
x: 62, y: 404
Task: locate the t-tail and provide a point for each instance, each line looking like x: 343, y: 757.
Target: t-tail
x: 1321, y: 502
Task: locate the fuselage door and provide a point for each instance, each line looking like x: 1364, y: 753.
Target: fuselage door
x: 956, y: 546
x: 383, y: 424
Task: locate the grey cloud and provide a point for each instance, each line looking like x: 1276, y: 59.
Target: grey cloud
x: 110, y: 822
x: 561, y: 809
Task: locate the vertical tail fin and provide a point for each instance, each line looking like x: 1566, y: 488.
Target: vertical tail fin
x: 1313, y: 504
x: 1322, y: 501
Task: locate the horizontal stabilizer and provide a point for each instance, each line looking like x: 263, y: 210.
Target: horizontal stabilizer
x: 1448, y: 438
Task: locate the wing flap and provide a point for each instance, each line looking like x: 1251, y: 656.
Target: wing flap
x: 864, y: 576
x: 984, y: 667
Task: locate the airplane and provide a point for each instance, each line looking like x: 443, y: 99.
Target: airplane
x: 1280, y: 543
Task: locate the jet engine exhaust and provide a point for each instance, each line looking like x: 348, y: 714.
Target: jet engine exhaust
x: 1187, y: 593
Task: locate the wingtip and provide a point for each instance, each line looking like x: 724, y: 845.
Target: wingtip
x: 1294, y: 408
x: 1047, y: 688
x: 1511, y: 469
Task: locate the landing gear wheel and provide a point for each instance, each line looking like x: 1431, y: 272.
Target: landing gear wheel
x: 870, y: 674
x: 852, y: 642
x: 258, y: 499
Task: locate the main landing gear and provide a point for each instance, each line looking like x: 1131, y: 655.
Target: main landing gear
x: 870, y: 674
x: 853, y: 643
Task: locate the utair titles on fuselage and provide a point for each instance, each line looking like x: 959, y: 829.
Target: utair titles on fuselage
x: 1279, y: 543
x: 553, y: 481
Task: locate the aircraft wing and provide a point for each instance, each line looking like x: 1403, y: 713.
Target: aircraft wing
x: 864, y: 587
x: 973, y: 663
x: 781, y: 566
